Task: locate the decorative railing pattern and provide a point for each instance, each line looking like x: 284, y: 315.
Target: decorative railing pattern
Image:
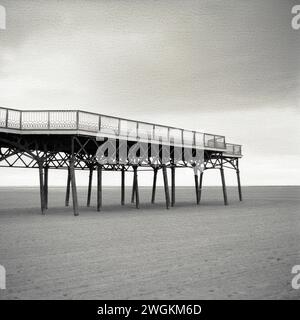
x: 102, y: 124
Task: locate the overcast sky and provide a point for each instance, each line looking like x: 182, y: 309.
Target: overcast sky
x: 227, y: 67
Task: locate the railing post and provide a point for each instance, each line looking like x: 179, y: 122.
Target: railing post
x: 119, y: 127
x: 77, y: 119
x: 6, y: 119
x: 21, y: 112
x: 48, y: 120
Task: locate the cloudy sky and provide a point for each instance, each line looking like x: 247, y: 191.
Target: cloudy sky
x: 227, y: 67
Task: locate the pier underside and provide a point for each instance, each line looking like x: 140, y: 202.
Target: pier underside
x: 78, y: 152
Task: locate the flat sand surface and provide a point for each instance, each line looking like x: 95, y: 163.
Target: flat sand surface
x: 243, y: 251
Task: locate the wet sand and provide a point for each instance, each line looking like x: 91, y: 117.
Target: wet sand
x: 243, y: 251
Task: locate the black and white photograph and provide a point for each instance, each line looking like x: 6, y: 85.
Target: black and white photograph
x: 149, y: 150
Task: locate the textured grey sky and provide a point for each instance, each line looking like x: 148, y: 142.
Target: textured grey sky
x: 228, y: 67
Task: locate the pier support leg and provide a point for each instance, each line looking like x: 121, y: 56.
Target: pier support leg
x: 123, y: 186
x: 46, y: 186
x: 133, y: 189
x: 74, y: 189
x: 197, y: 188
x: 154, y: 185
x: 166, y: 185
x: 68, y: 189
x: 200, y: 186
x: 239, y: 184
x: 99, y: 187
x: 172, y: 186
x: 42, y: 195
x: 88, y: 202
x: 137, y: 198
x: 224, y: 187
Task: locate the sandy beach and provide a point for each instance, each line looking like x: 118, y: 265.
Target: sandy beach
x: 243, y: 251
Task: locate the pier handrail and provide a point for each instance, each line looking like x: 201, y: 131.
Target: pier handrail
x: 42, y: 120
x: 233, y: 149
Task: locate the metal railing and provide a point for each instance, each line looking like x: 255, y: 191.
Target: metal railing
x: 233, y: 149
x: 103, y: 124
